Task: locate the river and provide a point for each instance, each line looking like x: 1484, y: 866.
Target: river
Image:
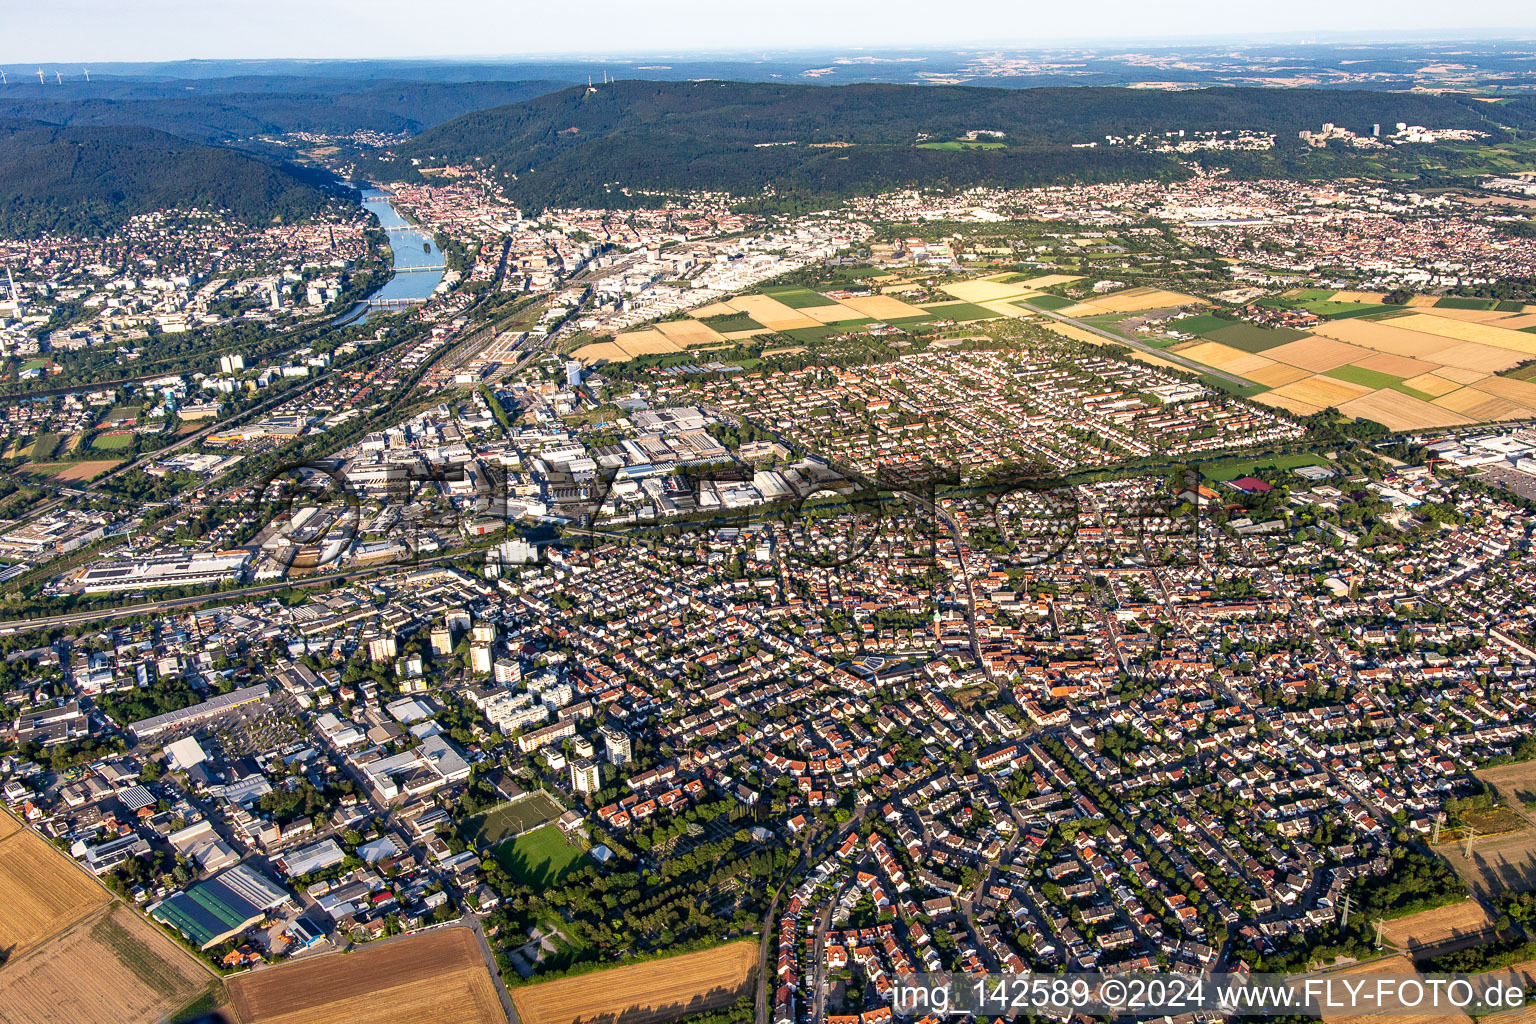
x: 419, y: 264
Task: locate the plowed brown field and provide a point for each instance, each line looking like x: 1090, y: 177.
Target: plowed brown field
x: 438, y: 977
x: 645, y: 993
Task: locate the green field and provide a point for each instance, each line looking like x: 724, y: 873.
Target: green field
x: 958, y: 144
x: 1360, y: 375
x: 728, y: 323
x: 798, y: 298
x: 504, y: 821
x: 1201, y: 323
x: 1231, y: 469
x: 112, y: 442
x: 44, y: 446
x: 1375, y: 379
x: 1252, y: 337
x: 123, y: 412
x: 1047, y: 302
x: 1457, y: 302
x: 810, y: 335
x: 540, y: 858
x: 962, y: 311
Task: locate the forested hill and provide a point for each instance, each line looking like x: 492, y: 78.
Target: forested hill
x: 91, y: 180
x: 235, y: 110
x: 572, y: 146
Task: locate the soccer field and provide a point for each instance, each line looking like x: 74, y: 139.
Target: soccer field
x: 542, y: 857
x: 504, y: 821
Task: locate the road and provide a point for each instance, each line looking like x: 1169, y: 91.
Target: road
x: 1118, y: 339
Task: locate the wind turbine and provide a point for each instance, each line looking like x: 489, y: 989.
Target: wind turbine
x: 2, y: 79
x: 58, y: 78
x: 87, y: 75
x: 39, y: 76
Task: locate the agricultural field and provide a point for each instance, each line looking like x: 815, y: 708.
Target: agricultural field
x: 112, y: 968
x: 1131, y: 300
x: 541, y: 857
x: 513, y: 818
x: 645, y: 993
x: 1516, y: 784
x: 1395, y: 966
x: 1408, y: 367
x: 75, y: 472
x: 1451, y: 923
x: 41, y: 891
x: 1498, y: 862
x: 44, y: 446
x: 439, y: 976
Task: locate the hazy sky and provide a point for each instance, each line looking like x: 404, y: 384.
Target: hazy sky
x: 141, y: 30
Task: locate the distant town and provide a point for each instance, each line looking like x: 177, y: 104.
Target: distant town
x: 1090, y: 577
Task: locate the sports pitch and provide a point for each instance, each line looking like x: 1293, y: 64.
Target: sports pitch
x: 504, y: 821
x: 540, y: 858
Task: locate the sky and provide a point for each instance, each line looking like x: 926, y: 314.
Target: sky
x: 39, y: 31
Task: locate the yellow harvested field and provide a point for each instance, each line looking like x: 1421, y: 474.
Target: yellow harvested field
x: 602, y: 351
x: 1289, y: 404
x: 1459, y: 375
x: 645, y: 343
x: 1317, y: 354
x: 1322, y: 391
x: 1432, y: 384
x: 1516, y: 784
x: 438, y: 977
x: 1481, y: 316
x: 713, y: 309
x: 882, y: 307
x: 1519, y: 321
x: 1462, y: 330
x: 1078, y: 334
x: 1397, y: 366
x: 113, y: 968
x: 687, y: 333
x: 1398, y: 411
x: 1397, y: 966
x: 1374, y: 298
x: 8, y: 823
x: 644, y: 993
x: 986, y: 291
x: 1082, y: 309
x: 834, y: 312
x: 792, y: 350
x: 1480, y: 405
x: 1432, y: 927
x: 41, y: 892
x: 1422, y: 302
x: 1522, y: 391
x: 1469, y: 355
x: 1276, y: 374
x: 1498, y: 863
x: 1224, y: 357
x: 1004, y: 308
x: 772, y: 313
x: 1133, y: 299
x: 1383, y: 337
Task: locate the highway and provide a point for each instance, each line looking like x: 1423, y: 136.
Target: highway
x: 1118, y: 339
